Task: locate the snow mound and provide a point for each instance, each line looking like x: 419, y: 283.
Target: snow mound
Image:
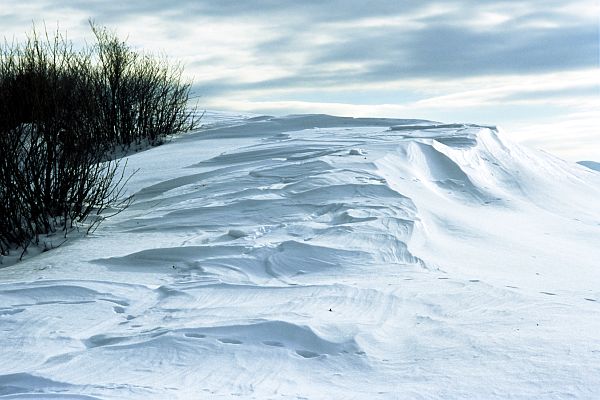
x: 320, y: 257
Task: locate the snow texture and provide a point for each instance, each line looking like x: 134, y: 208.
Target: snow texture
x: 318, y: 257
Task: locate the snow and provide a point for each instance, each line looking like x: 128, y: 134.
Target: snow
x: 320, y: 257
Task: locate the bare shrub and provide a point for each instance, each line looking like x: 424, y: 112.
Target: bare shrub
x: 145, y: 97
x: 63, y: 112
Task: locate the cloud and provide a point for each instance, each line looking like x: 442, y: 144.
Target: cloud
x: 384, y: 39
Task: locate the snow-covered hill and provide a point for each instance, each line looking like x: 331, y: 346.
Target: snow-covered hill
x: 324, y: 258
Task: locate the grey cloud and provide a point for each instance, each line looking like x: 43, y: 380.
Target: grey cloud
x: 444, y: 48
x: 314, y: 10
x: 441, y: 51
x: 451, y: 51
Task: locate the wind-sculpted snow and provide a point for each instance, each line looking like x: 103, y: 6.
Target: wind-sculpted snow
x: 321, y: 257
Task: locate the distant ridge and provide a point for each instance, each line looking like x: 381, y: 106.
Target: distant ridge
x: 590, y: 164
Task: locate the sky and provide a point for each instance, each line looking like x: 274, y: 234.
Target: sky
x: 532, y: 68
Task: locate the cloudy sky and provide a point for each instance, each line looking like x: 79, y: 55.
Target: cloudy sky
x: 530, y: 67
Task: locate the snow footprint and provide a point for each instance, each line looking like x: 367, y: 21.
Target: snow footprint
x: 307, y: 353
x: 273, y: 343
x: 119, y: 309
x: 229, y: 341
x: 194, y: 335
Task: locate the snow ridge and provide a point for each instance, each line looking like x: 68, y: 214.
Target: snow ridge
x: 321, y: 257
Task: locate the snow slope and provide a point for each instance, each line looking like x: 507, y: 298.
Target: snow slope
x: 324, y: 258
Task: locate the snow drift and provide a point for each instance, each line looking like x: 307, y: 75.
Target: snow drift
x: 320, y: 257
